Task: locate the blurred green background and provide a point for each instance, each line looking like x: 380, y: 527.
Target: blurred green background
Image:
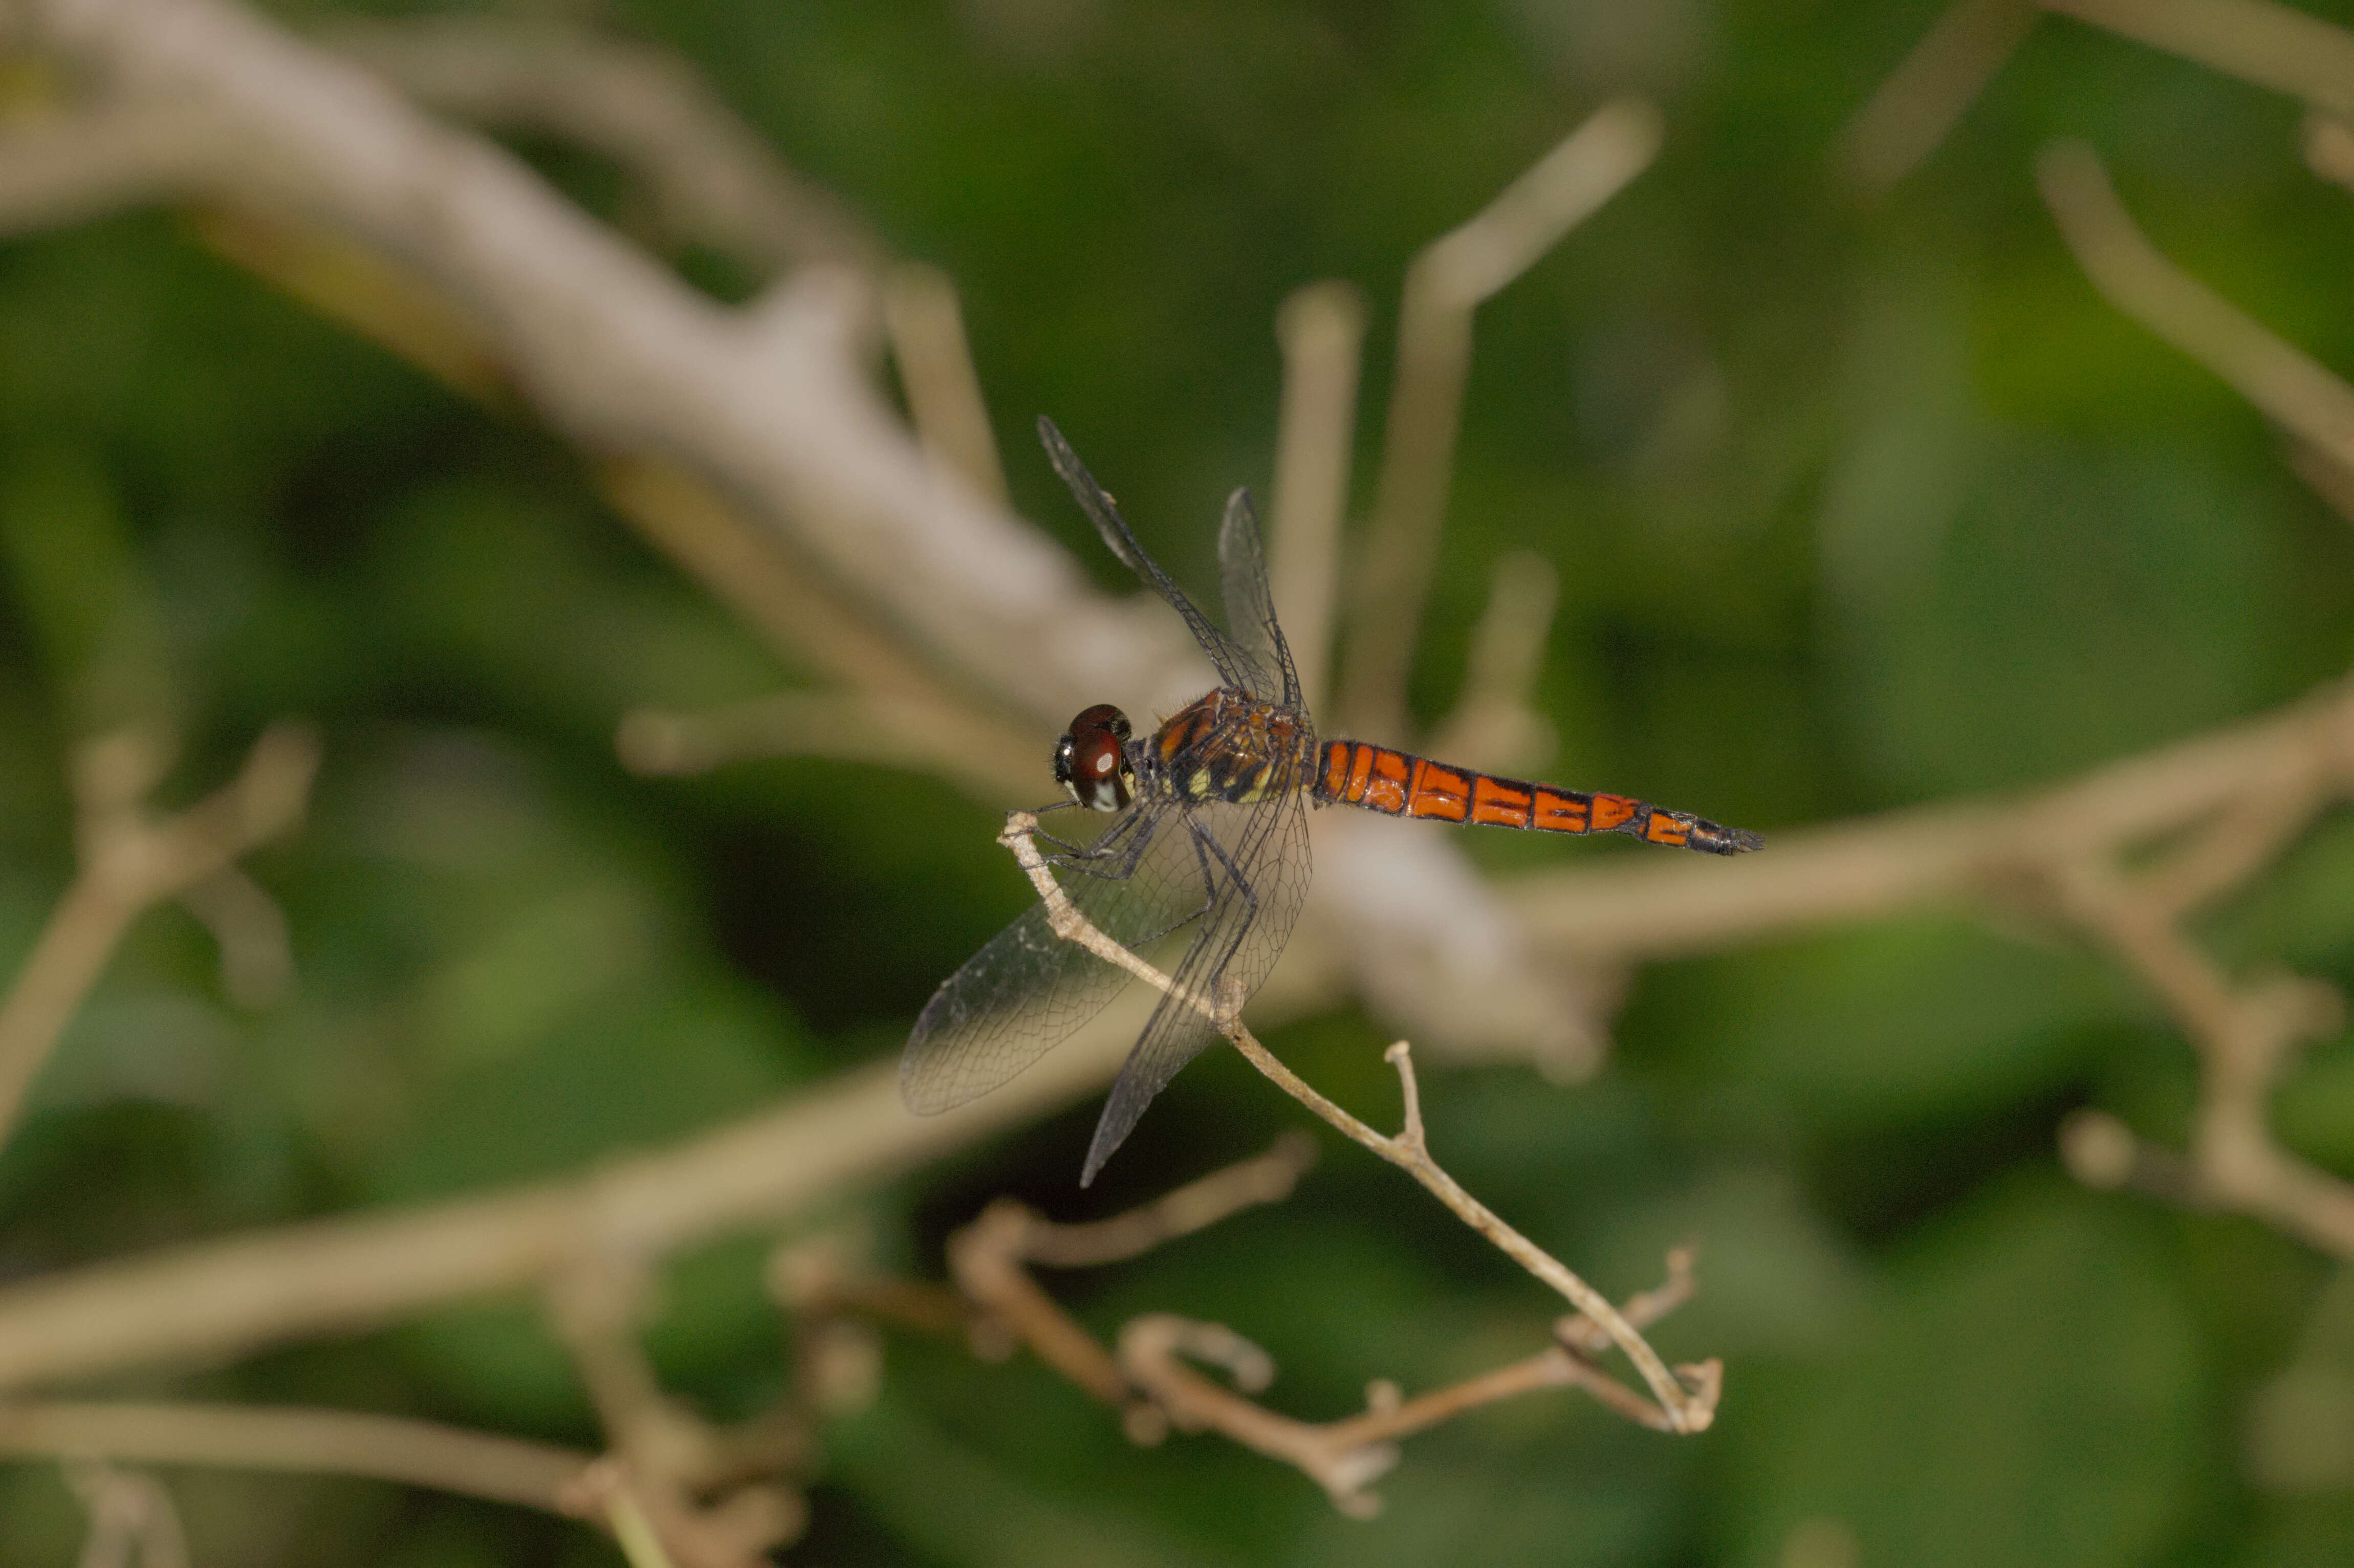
x: 1857, y: 505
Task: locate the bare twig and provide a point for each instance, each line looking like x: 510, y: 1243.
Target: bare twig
x: 129, y: 863
x: 1445, y: 284
x: 2272, y: 46
x: 2287, y: 384
x: 1407, y: 1150
x: 1925, y: 97
x: 988, y: 1256
x: 1267, y: 1178
x: 1321, y: 330
x: 921, y: 313
x: 318, y: 1442
x: 1343, y: 1457
x: 257, y: 959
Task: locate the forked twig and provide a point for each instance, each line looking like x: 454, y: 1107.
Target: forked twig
x: 1343, y: 1456
x: 1447, y: 281
x: 1685, y: 1405
x: 130, y: 861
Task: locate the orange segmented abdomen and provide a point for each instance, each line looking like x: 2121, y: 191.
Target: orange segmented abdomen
x: 1400, y: 785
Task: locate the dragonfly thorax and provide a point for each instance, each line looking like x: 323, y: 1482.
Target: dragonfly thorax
x: 1091, y: 759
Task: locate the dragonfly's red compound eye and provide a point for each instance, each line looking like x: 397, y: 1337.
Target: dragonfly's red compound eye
x: 1091, y: 759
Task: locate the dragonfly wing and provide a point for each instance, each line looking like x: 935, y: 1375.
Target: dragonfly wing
x: 1028, y: 990
x: 1250, y: 605
x: 1236, y: 665
x: 1259, y: 859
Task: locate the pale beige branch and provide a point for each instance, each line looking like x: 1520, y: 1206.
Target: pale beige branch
x: 1496, y: 723
x: 711, y: 176
x: 773, y: 406
x: 316, y: 1442
x: 1320, y: 330
x: 1921, y: 101
x: 1444, y: 285
x: 2245, y: 1034
x: 1198, y: 1205
x: 926, y: 322
x: 129, y: 863
x: 256, y: 957
x: 2269, y: 45
x: 2288, y: 385
x: 226, y: 1299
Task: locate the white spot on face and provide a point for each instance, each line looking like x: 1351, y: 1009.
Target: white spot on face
x: 1103, y: 763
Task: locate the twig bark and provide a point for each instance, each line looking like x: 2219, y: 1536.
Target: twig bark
x: 1321, y: 331
x: 1344, y: 1455
x: 2272, y: 46
x: 129, y: 863
x: 318, y: 1442
x: 1445, y: 284
x: 2288, y: 385
x: 1408, y: 1150
x: 1921, y: 101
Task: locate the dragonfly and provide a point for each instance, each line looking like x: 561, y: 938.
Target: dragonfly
x: 1205, y: 861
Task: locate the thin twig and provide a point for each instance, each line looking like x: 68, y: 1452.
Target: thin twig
x: 1444, y: 285
x: 926, y: 320
x: 1321, y: 331
x: 256, y: 956
x: 319, y: 1442
x: 988, y: 1258
x: 129, y: 863
x: 1921, y: 101
x: 2272, y: 46
x: 1343, y: 1457
x: 1266, y: 1179
x: 1407, y: 1150
x: 2289, y: 386
x: 1496, y: 725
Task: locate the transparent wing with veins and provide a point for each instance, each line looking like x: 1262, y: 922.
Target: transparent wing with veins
x: 1028, y: 990
x: 1254, y: 660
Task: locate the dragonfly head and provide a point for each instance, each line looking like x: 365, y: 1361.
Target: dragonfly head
x: 1091, y: 759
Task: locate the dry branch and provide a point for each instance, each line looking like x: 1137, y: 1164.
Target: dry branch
x: 318, y: 1442
x: 129, y: 863
x: 1321, y: 331
x: 1925, y: 97
x: 2289, y: 386
x: 1408, y: 1150
x: 1445, y: 284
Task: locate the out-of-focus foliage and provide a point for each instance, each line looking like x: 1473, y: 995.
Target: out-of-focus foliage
x: 1856, y: 506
